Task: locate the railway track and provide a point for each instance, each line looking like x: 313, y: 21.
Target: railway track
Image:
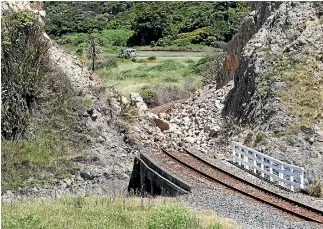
x: 194, y: 166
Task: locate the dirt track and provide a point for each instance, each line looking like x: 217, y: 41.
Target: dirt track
x: 173, y: 53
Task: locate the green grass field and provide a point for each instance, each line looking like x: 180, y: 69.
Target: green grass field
x: 107, y: 212
x: 131, y: 76
x: 169, y: 67
x: 168, y: 72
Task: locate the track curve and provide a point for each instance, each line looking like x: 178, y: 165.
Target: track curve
x: 207, y: 171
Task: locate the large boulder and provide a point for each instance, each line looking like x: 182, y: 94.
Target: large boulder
x: 138, y: 101
x: 162, y: 125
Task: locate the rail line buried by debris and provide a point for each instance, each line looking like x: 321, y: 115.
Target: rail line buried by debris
x: 218, y: 175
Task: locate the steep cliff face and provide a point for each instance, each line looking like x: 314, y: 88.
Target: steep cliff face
x: 276, y: 62
x: 253, y: 22
x: 283, y: 34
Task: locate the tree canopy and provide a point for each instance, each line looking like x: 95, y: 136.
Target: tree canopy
x: 152, y: 23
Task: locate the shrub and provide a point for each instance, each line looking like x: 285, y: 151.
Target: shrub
x: 140, y: 61
x: 152, y: 58
x: 190, y: 85
x: 22, y: 45
x: 109, y: 63
x: 127, y: 74
x: 171, y: 80
x: 74, y: 39
x: 149, y: 96
x: 260, y: 137
x: 248, y: 139
x: 117, y: 37
x: 168, y: 65
x: 209, y: 67
x: 79, y: 51
x: 129, y: 113
x: 190, y: 61
x: 316, y: 189
x: 169, y: 94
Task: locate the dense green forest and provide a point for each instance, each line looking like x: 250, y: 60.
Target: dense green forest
x: 181, y: 24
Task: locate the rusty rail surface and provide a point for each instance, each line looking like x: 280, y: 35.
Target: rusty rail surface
x: 218, y: 175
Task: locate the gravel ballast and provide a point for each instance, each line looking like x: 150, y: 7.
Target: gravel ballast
x: 246, y: 213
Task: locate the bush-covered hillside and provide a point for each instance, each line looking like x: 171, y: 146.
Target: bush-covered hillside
x: 147, y: 23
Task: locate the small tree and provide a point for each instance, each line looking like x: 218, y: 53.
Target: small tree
x: 94, y: 50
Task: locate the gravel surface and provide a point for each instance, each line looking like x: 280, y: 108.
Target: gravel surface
x: 246, y: 213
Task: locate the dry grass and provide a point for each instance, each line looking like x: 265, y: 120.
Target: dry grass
x: 316, y: 189
x: 304, y: 96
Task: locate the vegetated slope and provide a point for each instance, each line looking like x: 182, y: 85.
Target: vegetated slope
x: 70, y: 141
x: 150, y: 23
x: 276, y: 62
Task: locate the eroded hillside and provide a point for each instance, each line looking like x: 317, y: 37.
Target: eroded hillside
x: 73, y: 138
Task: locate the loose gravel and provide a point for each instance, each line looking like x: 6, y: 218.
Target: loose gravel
x: 246, y: 213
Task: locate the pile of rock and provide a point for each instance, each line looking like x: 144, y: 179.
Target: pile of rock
x: 195, y: 123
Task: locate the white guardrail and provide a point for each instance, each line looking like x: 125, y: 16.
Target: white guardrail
x: 286, y: 175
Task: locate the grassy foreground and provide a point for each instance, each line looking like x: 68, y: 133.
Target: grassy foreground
x: 107, y: 212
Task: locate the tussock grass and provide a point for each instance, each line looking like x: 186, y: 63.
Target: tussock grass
x: 41, y: 158
x: 303, y: 97
x: 55, y: 135
x: 316, y: 189
x: 108, y: 212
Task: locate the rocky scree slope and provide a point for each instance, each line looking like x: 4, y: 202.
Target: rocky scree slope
x: 269, y: 95
x: 195, y: 123
x: 105, y: 162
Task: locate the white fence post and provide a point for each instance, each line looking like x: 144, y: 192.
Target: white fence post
x: 280, y: 168
x: 302, y: 178
x: 262, y: 166
x: 271, y: 171
x: 291, y: 180
x: 281, y: 175
x: 246, y: 159
x: 233, y: 152
x: 254, y: 164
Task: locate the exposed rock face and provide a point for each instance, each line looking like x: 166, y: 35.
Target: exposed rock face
x: 14, y: 6
x: 250, y: 26
x: 277, y: 65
